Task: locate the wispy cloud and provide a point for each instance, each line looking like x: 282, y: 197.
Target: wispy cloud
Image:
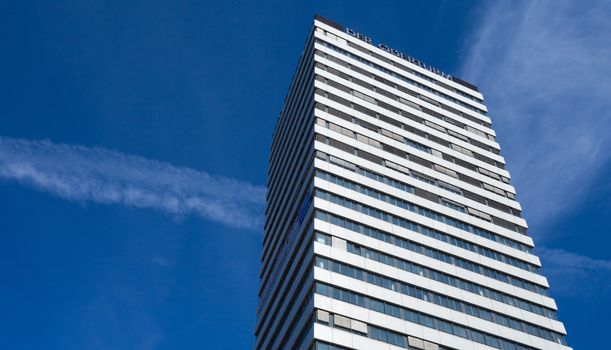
x: 83, y: 174
x: 544, y: 67
x: 575, y: 275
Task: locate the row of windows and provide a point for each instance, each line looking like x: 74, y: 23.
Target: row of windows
x: 414, y: 83
x: 453, y: 205
x: 439, y: 299
x: 441, y: 277
x: 325, y: 346
x: 410, y: 104
x: 442, y: 237
x: 372, y: 332
x: 417, y: 317
x: 387, y: 336
x: 414, y: 174
x: 430, y: 252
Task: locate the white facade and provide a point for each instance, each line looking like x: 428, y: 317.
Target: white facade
x: 391, y: 220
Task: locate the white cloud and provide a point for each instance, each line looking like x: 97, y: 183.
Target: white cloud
x: 100, y: 175
x: 544, y: 68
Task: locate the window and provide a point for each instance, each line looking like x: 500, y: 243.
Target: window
x: 491, y: 341
x: 444, y: 326
x: 378, y: 334
x: 434, y: 126
x: 429, y: 100
x: 459, y: 331
x: 427, y: 321
x: 376, y: 305
x: 322, y: 289
x: 462, y: 150
x: 409, y: 103
x: 411, y: 316
x: 341, y: 321
x: 363, y: 96
x: 446, y: 171
x: 457, y: 135
x: 446, y: 186
x: 479, y: 214
x: 489, y: 173
x: 475, y: 131
x: 424, y: 178
x: 322, y: 238
x: 452, y: 205
x: 396, y: 339
x: 322, y: 263
x: 322, y: 346
x: 477, y: 336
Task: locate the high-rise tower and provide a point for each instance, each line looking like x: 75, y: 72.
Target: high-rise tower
x: 391, y: 222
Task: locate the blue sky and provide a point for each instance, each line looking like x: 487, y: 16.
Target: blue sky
x: 134, y: 141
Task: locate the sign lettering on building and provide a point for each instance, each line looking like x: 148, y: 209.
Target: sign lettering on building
x: 398, y: 54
